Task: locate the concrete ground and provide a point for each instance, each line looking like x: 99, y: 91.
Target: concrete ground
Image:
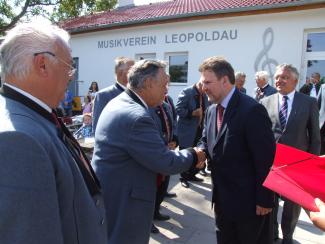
x: 192, y: 219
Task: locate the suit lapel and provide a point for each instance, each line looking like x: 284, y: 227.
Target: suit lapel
x: 275, y: 108
x: 294, y: 109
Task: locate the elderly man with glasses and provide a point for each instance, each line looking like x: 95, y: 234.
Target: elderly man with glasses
x: 49, y: 193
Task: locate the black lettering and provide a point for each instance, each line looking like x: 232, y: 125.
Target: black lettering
x: 224, y: 35
x: 182, y: 37
x: 199, y: 36
x: 233, y: 37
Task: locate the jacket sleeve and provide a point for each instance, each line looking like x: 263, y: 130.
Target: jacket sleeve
x: 262, y: 147
x: 182, y: 105
x: 29, y: 202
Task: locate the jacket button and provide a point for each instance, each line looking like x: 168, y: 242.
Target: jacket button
x: 102, y: 222
x: 97, y: 202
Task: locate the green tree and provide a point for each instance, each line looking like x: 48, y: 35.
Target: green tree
x: 14, y: 11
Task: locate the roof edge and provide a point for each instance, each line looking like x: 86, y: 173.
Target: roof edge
x: 306, y: 3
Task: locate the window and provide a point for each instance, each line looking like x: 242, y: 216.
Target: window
x: 315, y: 42
x: 314, y: 56
x: 177, y: 67
x: 141, y: 56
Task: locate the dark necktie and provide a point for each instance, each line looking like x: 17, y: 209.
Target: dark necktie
x: 283, y: 112
x: 167, y: 125
x: 220, y: 110
x: 72, y: 146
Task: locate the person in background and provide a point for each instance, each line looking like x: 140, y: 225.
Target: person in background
x: 86, y: 129
x: 87, y: 107
x: 93, y: 89
x: 238, y: 138
x: 240, y: 78
x: 122, y: 66
x: 312, y: 88
x: 163, y: 116
x: 190, y: 109
x: 129, y: 152
x: 49, y: 193
x: 295, y: 122
x: 263, y: 88
x: 67, y: 103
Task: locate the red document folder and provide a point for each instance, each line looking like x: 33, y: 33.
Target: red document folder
x: 298, y: 176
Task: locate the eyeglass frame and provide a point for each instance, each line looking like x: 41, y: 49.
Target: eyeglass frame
x: 72, y: 69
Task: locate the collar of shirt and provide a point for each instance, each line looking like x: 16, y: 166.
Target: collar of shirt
x: 145, y: 104
x: 226, y: 100
x: 31, y: 97
x: 123, y: 86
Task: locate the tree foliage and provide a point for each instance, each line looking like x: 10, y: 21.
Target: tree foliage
x: 14, y: 11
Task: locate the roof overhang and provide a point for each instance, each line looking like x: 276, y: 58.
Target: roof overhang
x: 231, y: 12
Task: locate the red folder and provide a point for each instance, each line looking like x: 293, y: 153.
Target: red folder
x: 298, y: 176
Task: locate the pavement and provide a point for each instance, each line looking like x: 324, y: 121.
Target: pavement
x: 192, y: 219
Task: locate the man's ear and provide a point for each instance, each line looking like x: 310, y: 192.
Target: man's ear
x: 40, y: 66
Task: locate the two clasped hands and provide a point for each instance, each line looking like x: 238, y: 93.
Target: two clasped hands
x: 201, y: 158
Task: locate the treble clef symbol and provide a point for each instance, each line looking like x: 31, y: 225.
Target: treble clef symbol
x: 267, y: 63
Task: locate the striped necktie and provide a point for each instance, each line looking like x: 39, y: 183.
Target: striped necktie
x: 283, y: 112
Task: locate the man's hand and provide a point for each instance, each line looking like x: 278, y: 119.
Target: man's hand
x: 262, y: 211
x: 318, y: 218
x: 201, y: 158
x: 172, y: 145
x: 197, y: 112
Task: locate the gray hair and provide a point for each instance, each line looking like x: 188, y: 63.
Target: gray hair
x: 239, y: 74
x: 142, y: 70
x: 263, y: 75
x: 290, y: 68
x: 121, y: 62
x: 23, y: 41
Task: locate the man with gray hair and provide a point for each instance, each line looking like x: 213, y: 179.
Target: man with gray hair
x: 294, y: 119
x: 122, y: 66
x: 240, y: 78
x: 49, y: 193
x: 129, y: 152
x: 263, y: 88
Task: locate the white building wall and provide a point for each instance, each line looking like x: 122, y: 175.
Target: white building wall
x: 243, y: 52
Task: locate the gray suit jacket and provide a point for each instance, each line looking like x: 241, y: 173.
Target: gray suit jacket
x: 102, y: 98
x: 321, y: 105
x: 302, y: 129
x: 129, y: 152
x: 187, y: 125
x: 44, y: 198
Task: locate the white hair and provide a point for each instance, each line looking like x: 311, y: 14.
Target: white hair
x: 23, y: 41
x: 263, y: 75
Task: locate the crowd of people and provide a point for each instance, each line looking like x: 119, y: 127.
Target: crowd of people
x: 52, y: 193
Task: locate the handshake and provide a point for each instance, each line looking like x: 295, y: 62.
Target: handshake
x: 201, y: 158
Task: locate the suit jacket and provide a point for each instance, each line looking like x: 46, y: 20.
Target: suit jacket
x: 128, y: 154
x: 306, y: 88
x: 187, y: 125
x: 102, y: 98
x: 44, y: 197
x: 321, y: 105
x: 241, y: 156
x: 302, y: 128
x: 265, y: 92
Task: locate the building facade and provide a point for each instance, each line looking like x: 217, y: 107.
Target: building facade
x: 251, y: 40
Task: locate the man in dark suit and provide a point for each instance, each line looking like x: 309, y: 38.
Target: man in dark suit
x: 263, y: 88
x: 190, y: 109
x: 238, y: 138
x: 129, y: 152
x: 122, y: 66
x: 312, y: 88
x: 49, y: 193
x: 295, y: 123
x: 321, y: 106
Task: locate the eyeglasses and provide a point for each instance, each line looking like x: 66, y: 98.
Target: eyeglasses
x: 72, y: 70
